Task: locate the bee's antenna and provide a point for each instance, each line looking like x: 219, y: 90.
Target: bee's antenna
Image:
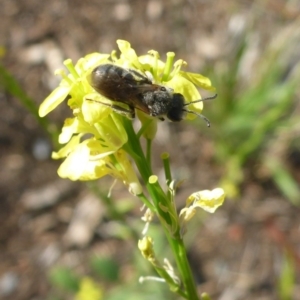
x: 199, y: 115
x: 204, y: 99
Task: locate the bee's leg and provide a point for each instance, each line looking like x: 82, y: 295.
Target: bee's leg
x: 129, y: 113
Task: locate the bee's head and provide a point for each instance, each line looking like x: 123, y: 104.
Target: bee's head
x: 177, y: 110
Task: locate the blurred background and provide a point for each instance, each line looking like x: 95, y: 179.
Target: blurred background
x: 59, y: 241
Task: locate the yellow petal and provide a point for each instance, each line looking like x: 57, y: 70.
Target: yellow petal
x: 146, y: 247
x: 128, y: 56
x: 149, y: 61
x: 128, y: 173
x: 126, y: 49
x: 91, y: 61
x: 208, y: 200
x: 89, y: 290
x: 187, y: 89
x: 75, y: 164
x: 68, y: 148
x: 198, y: 80
x: 54, y: 99
x: 68, y: 130
x: 112, y: 133
x: 94, y: 108
x: 78, y: 166
x: 186, y: 214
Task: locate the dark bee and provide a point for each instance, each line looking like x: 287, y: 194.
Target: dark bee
x: 137, y: 91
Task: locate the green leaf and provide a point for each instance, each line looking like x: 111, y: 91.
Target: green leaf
x: 65, y: 279
x: 105, y: 267
x: 287, y: 280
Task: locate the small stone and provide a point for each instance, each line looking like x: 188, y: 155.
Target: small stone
x: 41, y: 149
x: 50, y: 255
x: 154, y: 9
x: 8, y: 283
x: 122, y: 11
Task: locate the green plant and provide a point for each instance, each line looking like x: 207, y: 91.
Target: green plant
x: 253, y: 114
x: 287, y: 280
x: 99, y: 140
x: 11, y: 85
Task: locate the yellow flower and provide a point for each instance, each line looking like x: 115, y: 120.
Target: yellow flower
x: 89, y: 290
x: 94, y: 137
x: 81, y: 164
x: 74, y: 84
x: 146, y: 247
x: 207, y: 200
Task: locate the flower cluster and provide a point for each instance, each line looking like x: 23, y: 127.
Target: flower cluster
x: 99, y: 140
x: 94, y: 138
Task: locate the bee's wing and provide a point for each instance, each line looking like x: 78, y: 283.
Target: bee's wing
x: 125, y: 86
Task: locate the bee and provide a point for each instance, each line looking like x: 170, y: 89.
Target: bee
x: 138, y: 92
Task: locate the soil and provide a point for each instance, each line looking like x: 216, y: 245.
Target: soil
x: 238, y: 253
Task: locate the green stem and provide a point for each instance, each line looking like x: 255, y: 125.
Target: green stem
x: 12, y: 86
x: 183, y: 265
x: 148, y: 151
x: 166, y: 161
x: 146, y: 201
x: 161, y: 202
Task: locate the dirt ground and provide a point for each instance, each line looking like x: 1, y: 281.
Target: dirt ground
x: 238, y: 252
